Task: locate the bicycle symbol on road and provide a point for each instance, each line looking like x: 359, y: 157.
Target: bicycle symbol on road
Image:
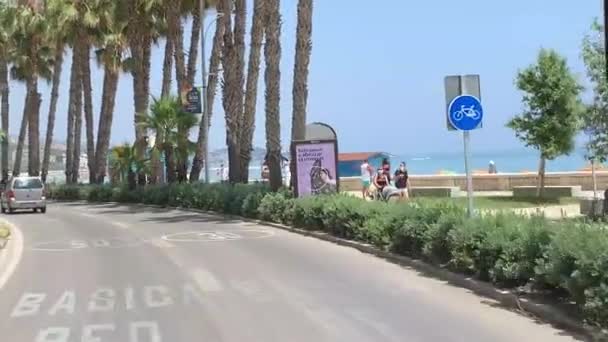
x: 469, y: 112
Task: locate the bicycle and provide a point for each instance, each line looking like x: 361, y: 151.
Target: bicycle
x: 470, y: 112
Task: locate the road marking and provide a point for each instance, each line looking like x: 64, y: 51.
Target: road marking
x: 218, y: 236
x: 160, y: 243
x: 11, y: 255
x: 28, y: 305
x: 157, y: 296
x: 206, y: 281
x: 53, y: 334
x: 153, y: 331
x: 88, y: 332
x: 120, y: 225
x: 67, y: 302
x: 102, y: 300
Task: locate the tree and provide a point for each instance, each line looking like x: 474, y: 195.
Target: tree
x: 251, y: 90
x: 166, y: 120
x: 300, y: 72
x: 5, y: 40
x: 126, y: 161
x: 233, y: 64
x: 272, y: 55
x: 111, y: 42
x: 549, y: 121
x: 62, y: 15
x: 31, y: 58
x: 595, y: 118
x: 212, y: 80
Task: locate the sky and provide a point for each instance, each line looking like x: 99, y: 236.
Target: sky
x: 376, y: 73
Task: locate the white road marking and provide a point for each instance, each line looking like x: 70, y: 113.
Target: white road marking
x: 153, y: 332
x: 53, y: 334
x: 205, y: 280
x: 120, y: 225
x: 157, y: 296
x: 190, y: 292
x: 67, y: 302
x: 11, y: 255
x: 88, y: 332
x: 160, y: 243
x: 129, y: 298
x: 102, y: 300
x: 28, y: 305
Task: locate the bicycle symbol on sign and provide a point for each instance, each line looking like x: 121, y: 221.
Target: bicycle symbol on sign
x: 469, y: 112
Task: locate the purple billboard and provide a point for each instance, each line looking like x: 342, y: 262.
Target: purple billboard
x: 316, y: 168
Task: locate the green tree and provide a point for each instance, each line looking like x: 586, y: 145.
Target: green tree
x: 549, y: 121
x: 595, y: 118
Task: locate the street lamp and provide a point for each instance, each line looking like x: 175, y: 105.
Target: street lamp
x: 204, y: 31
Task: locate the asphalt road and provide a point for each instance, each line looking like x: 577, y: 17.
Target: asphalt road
x: 118, y: 273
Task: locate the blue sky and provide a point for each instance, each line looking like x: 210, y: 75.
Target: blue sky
x: 377, y: 73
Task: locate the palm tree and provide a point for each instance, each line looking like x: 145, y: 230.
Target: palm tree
x: 214, y: 66
x: 126, y: 161
x: 300, y: 72
x: 143, y: 30
x: 272, y: 56
x: 5, y: 40
x: 166, y: 121
x: 74, y: 110
x: 62, y: 14
x: 32, y: 58
x: 112, y: 42
x: 251, y: 92
x: 232, y: 62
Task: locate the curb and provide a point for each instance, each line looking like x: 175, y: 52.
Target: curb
x: 545, y: 312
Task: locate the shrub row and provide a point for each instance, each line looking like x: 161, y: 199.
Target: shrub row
x: 568, y: 258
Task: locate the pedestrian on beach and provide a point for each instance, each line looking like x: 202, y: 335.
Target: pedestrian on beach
x: 402, y: 181
x: 386, y: 168
x: 366, y: 177
x: 223, y: 173
x: 492, y: 168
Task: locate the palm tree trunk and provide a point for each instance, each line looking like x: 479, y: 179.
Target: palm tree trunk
x: 4, y: 113
x: 88, y: 110
x: 33, y: 127
x: 176, y: 31
x: 50, y: 127
x: 194, y: 43
x: 233, y: 88
x: 110, y: 85
x: 214, y: 66
x: 170, y: 164
x: 140, y: 48
x: 21, y: 139
x: 167, y: 68
x: 73, y: 110
x: 251, y: 92
x: 272, y: 56
x: 77, y: 137
x: 300, y: 73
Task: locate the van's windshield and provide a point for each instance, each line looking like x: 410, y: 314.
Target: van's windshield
x: 30, y: 183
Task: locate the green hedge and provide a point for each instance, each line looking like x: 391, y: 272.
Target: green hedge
x: 565, y: 257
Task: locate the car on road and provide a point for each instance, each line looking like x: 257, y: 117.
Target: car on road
x: 23, y: 193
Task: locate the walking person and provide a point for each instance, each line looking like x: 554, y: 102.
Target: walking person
x: 402, y: 181
x: 366, y: 177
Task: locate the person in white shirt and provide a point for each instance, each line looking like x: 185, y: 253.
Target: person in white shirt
x: 366, y: 177
x: 222, y: 173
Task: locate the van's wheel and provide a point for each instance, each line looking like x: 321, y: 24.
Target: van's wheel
x: 43, y: 210
x: 11, y: 210
x: 3, y: 210
x: 35, y: 210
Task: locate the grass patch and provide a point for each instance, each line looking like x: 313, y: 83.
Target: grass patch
x: 500, y: 203
x: 4, y: 232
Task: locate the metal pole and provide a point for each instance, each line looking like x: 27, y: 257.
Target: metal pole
x: 594, y: 179
x: 606, y: 36
x: 204, y: 92
x: 467, y: 167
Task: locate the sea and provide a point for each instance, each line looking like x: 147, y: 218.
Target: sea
x: 508, y: 161
x: 519, y: 160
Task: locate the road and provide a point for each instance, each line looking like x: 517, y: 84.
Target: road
x: 101, y: 273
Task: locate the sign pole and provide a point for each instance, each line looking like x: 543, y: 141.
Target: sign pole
x: 467, y: 167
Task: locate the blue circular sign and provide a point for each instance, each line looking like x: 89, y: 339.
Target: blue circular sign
x: 465, y: 112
